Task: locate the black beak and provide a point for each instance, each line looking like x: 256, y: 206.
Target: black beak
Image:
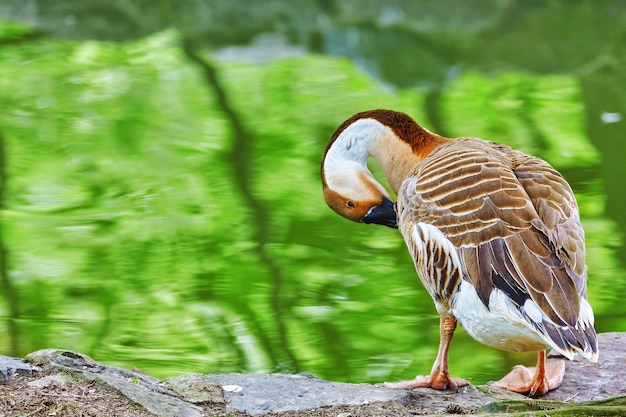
x: 384, y: 213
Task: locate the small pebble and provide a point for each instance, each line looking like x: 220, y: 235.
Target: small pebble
x: 232, y: 388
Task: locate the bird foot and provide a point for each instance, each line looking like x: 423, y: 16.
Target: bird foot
x: 438, y: 383
x: 521, y: 379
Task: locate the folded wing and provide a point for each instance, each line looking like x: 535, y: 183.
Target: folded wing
x: 514, y: 222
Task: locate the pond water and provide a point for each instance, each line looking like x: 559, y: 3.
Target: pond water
x: 142, y: 225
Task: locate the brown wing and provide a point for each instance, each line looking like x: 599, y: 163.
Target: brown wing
x: 514, y: 222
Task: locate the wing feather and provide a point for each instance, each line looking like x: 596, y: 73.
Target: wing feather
x: 514, y: 221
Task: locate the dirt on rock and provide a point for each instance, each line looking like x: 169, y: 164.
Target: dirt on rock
x: 48, y: 393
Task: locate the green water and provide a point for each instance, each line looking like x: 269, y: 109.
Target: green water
x: 148, y: 223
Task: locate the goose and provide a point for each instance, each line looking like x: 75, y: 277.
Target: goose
x: 494, y: 233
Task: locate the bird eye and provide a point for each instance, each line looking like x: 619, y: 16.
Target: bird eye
x: 351, y: 204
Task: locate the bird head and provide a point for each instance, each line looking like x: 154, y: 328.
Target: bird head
x: 349, y: 187
x: 357, y: 196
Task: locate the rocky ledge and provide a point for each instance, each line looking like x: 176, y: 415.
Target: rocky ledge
x: 54, y: 382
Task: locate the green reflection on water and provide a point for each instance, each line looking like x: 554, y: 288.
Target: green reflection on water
x: 129, y: 238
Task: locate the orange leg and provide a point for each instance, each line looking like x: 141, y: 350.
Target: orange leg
x: 439, y: 377
x: 534, y: 382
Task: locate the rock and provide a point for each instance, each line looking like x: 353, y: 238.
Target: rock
x: 60, y: 357
x: 50, y: 381
x: 195, y: 395
x: 586, y: 381
x: 197, y: 389
x: 11, y: 366
x: 154, y: 400
x: 468, y: 399
x: 280, y: 393
x: 136, y: 386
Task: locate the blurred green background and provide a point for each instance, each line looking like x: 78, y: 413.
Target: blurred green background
x: 160, y: 196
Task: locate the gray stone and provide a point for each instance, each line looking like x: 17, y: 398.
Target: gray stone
x: 60, y: 357
x: 50, y: 381
x: 138, y: 387
x: 155, y: 401
x: 464, y: 401
x: 278, y: 393
x: 11, y: 366
x: 196, y: 388
x: 586, y: 381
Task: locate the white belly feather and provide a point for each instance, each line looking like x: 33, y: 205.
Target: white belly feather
x: 501, y: 326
